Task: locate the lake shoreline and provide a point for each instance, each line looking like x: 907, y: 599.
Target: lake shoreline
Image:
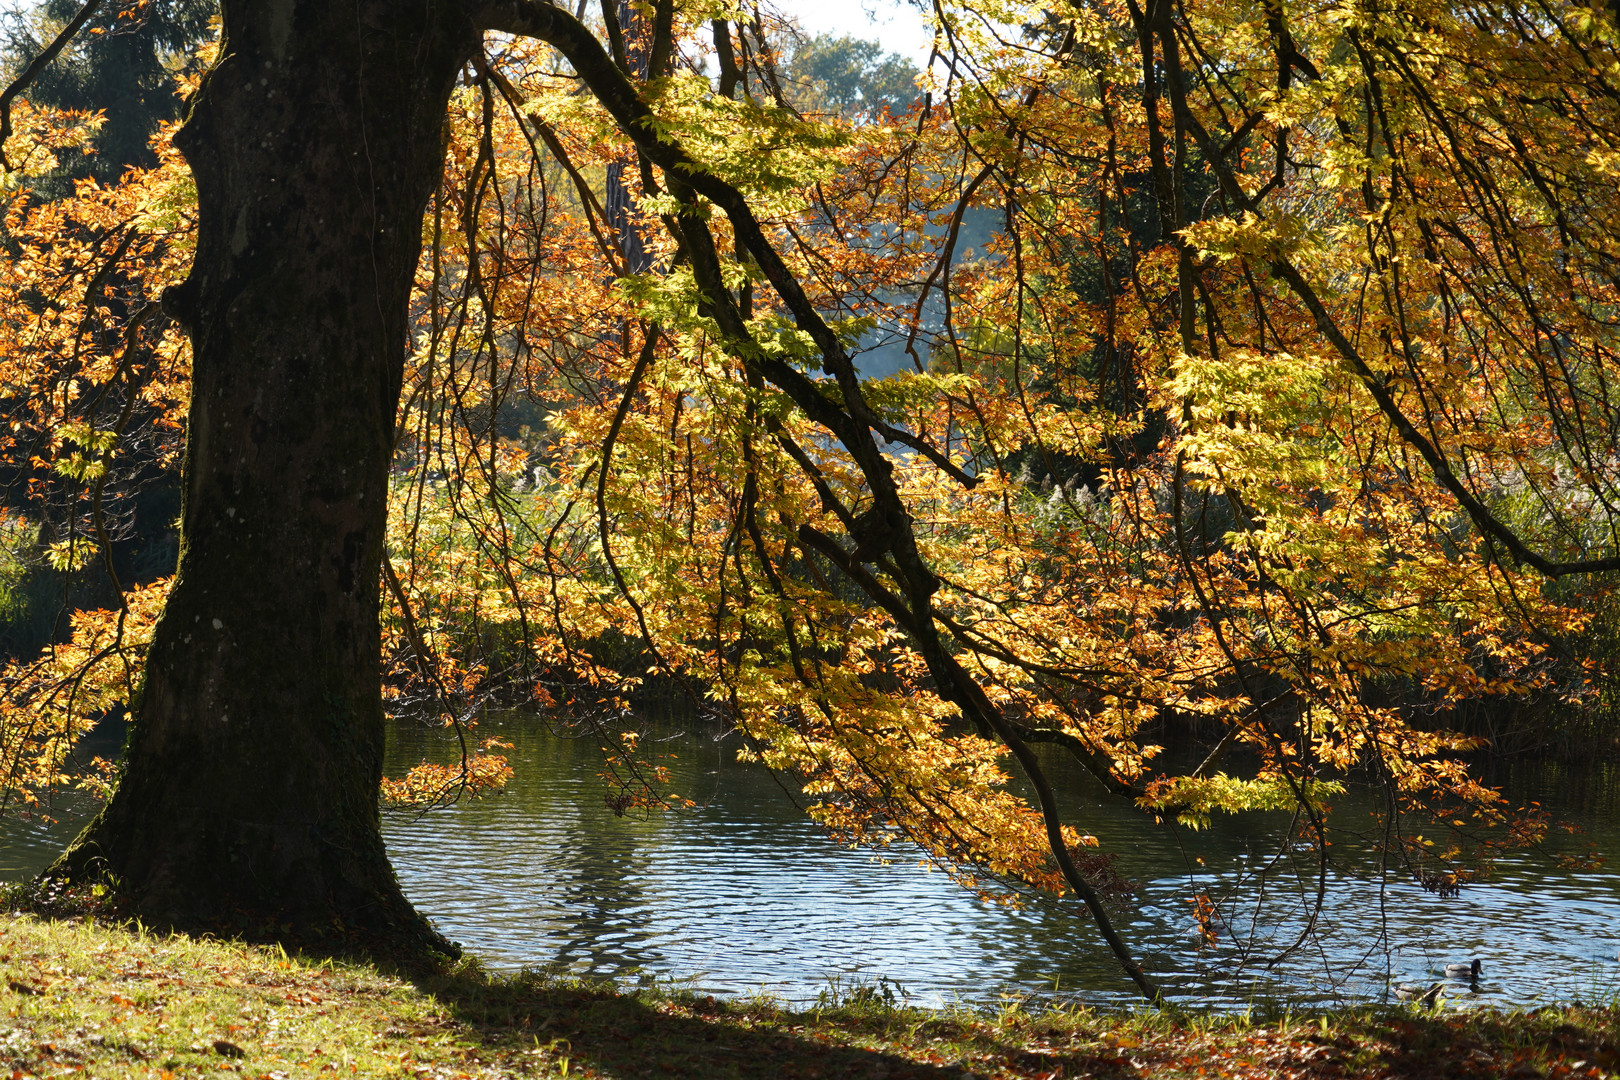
x: 743, y: 893
x: 117, y: 1001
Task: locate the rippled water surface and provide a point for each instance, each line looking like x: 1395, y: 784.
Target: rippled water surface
x: 743, y: 893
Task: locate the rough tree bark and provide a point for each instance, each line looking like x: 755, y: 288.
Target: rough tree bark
x: 250, y: 791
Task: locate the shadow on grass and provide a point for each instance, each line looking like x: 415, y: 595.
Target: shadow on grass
x: 543, y: 1024
x: 683, y: 1035
x: 616, y: 1033
x: 655, y: 1035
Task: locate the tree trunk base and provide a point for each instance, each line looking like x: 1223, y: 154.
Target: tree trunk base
x: 375, y: 923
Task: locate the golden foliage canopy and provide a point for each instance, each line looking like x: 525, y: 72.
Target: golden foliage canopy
x: 1234, y: 366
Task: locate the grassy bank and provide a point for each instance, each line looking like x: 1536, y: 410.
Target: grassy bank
x: 82, y: 998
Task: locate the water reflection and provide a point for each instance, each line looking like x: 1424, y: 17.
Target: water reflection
x: 28, y: 843
x: 744, y: 893
x: 738, y: 894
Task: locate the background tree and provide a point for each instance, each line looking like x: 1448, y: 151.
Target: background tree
x: 127, y: 60
x: 851, y: 76
x: 124, y: 63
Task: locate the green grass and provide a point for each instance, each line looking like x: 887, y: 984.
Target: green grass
x: 78, y: 998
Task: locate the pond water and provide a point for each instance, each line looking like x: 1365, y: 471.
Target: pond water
x: 744, y: 894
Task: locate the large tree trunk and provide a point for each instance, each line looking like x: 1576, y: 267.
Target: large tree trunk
x: 249, y: 796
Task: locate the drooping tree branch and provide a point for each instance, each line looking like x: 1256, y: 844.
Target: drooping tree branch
x: 886, y: 529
